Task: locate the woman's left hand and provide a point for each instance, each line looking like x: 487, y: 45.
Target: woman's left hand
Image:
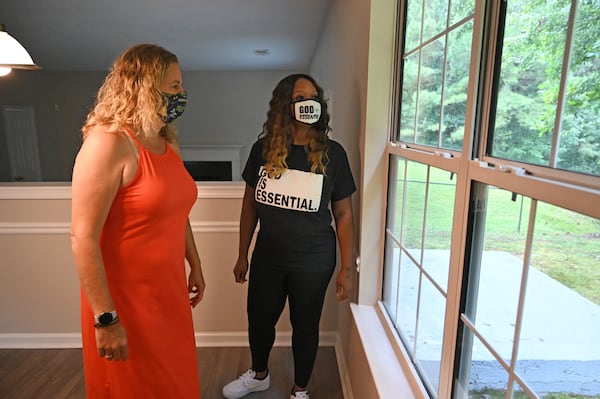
x: 343, y: 284
x: 196, y: 287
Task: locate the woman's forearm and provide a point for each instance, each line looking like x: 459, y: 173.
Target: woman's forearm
x: 344, y: 222
x: 92, y: 277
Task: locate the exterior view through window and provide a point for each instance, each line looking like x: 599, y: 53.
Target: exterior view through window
x: 492, y: 254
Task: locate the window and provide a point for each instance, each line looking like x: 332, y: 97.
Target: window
x: 417, y: 250
x: 532, y: 315
x: 435, y: 73
x: 491, y: 274
x: 548, y: 85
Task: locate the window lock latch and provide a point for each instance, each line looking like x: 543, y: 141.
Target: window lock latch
x: 512, y: 169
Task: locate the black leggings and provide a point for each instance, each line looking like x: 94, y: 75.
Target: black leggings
x: 267, y: 292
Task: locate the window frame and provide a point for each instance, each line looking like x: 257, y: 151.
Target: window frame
x: 569, y: 190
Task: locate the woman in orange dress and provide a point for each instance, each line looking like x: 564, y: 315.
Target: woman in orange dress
x: 131, y: 235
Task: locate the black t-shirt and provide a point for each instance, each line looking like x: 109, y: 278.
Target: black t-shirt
x: 293, y: 210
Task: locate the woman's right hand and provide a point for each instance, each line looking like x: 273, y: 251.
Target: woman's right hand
x: 240, y: 270
x: 111, y: 342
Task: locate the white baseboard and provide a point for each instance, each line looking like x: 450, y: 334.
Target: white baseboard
x: 40, y: 341
x: 343, y: 370
x: 240, y: 338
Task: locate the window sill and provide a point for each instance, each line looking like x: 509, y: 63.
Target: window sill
x: 393, y: 374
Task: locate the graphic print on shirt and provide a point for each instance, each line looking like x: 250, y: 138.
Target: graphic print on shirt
x: 294, y: 189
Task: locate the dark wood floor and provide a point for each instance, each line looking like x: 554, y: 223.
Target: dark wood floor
x: 57, y: 373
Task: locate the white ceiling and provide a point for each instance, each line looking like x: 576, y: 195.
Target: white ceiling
x: 206, y: 35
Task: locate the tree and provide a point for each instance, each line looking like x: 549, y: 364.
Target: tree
x: 533, y: 54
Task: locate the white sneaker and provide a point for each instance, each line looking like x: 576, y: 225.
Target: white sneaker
x: 246, y: 384
x: 299, y: 395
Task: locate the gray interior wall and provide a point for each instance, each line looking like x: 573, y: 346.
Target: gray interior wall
x: 60, y: 101
x: 224, y: 108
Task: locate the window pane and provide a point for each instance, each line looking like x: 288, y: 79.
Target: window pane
x: 430, y: 93
x: 559, y: 350
x: 391, y: 271
x: 559, y: 292
x: 438, y: 234
x: 456, y: 85
x: 410, y: 85
x: 412, y: 224
x: 461, y: 9
x: 401, y: 293
x: 419, y: 231
x: 435, y: 17
x: 414, y: 14
x: 497, y: 266
x: 494, y: 281
x: 579, y: 147
x: 408, y: 295
x: 396, y: 194
x: 430, y: 332
x: 483, y: 376
x: 428, y: 68
x: 532, y: 55
x: 391, y: 278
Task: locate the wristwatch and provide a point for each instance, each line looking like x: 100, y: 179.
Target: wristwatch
x: 106, y: 319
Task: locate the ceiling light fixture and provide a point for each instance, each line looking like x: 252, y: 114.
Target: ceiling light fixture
x: 12, y: 54
x: 261, y: 51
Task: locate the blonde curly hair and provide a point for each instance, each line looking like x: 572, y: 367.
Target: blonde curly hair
x: 130, y: 94
x: 277, y: 132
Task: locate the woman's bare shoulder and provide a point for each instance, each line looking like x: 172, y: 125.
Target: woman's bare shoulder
x: 104, y: 132
x: 102, y: 135
x: 106, y: 143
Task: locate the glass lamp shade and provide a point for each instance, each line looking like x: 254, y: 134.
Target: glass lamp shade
x: 12, y: 54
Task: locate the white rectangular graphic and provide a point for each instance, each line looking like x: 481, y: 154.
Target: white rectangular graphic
x: 294, y: 189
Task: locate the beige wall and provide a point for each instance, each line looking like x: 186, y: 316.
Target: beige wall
x: 353, y: 64
x: 39, y: 289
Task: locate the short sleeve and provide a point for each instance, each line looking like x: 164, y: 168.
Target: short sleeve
x: 344, y: 185
x: 250, y: 173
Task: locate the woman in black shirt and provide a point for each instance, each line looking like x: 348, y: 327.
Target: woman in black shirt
x: 293, y: 176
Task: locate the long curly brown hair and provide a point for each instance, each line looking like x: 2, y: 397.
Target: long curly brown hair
x: 277, y: 130
x: 130, y: 95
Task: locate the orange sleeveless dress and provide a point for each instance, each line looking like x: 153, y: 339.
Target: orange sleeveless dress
x: 143, y: 246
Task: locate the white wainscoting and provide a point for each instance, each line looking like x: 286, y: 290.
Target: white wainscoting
x: 55, y: 191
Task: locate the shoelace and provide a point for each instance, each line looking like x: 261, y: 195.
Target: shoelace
x: 301, y: 394
x: 247, y: 377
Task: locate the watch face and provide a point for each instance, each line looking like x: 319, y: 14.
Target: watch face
x: 105, y: 318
